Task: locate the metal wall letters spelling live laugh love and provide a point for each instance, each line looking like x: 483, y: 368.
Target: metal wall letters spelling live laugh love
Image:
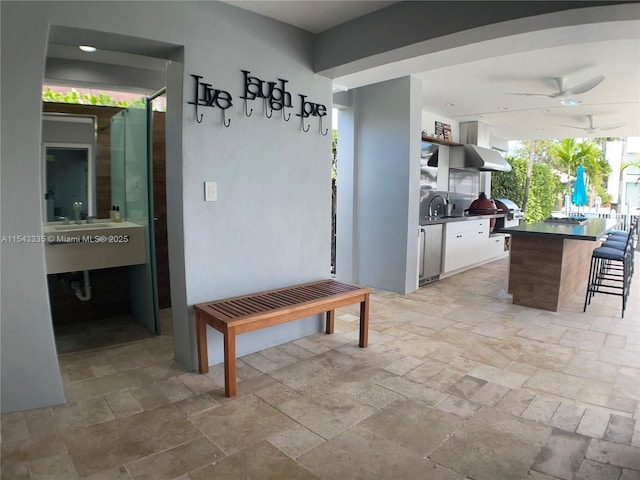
x: 274, y: 96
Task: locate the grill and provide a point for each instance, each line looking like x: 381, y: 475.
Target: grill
x: 513, y: 213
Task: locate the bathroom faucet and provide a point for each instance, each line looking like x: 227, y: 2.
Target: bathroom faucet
x: 444, y: 202
x: 77, y: 206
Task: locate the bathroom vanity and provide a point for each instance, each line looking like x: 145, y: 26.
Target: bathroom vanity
x: 90, y: 246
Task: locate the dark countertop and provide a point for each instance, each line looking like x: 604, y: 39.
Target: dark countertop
x: 442, y: 220
x: 593, y: 229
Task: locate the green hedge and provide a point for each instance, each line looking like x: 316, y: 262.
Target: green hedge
x: 543, y: 193
x: 102, y: 99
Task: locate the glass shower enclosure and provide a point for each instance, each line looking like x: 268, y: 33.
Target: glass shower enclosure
x: 131, y: 193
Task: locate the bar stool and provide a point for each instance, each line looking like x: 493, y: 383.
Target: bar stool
x: 621, y: 235
x: 617, y: 245
x: 610, y: 272
x: 618, y: 239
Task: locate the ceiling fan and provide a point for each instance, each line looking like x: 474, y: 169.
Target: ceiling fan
x: 564, y: 94
x: 594, y: 128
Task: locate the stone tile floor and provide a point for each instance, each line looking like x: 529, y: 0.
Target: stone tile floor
x: 79, y: 335
x: 457, y: 383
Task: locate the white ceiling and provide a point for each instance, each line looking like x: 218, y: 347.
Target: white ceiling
x: 315, y: 16
x: 477, y: 78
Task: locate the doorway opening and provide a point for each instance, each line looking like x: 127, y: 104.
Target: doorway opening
x: 129, y: 300
x: 128, y: 169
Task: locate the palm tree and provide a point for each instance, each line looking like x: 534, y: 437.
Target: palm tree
x: 569, y: 154
x: 527, y: 180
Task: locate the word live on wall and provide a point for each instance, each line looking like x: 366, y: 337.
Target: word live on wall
x: 274, y: 95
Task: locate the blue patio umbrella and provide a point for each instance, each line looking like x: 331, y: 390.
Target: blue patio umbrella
x: 579, y: 197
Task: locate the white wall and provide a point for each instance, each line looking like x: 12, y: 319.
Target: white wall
x: 378, y: 185
x: 271, y: 224
x: 614, y: 158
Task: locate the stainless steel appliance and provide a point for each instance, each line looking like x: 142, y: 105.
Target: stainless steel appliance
x: 513, y: 213
x: 472, y: 157
x: 430, y: 254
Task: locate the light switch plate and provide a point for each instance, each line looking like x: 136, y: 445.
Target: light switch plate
x: 210, y: 191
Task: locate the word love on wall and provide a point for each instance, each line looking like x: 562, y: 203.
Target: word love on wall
x: 273, y: 94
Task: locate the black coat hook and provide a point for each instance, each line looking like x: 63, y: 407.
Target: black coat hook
x: 266, y: 109
x: 248, y: 114
x: 199, y: 120
x: 286, y: 119
x: 302, y: 125
x: 324, y: 134
x: 224, y: 120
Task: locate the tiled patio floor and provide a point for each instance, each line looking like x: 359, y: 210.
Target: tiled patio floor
x: 456, y: 383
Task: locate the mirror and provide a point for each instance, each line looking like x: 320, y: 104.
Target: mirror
x: 68, y: 166
x: 67, y: 174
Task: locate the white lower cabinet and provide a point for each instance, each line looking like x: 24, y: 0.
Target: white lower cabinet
x: 456, y: 251
x: 465, y: 243
x: 496, y: 246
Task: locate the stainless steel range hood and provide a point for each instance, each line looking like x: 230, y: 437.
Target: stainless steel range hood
x: 473, y: 157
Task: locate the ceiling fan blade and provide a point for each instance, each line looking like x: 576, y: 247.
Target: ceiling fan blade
x: 611, y: 127
x: 584, y: 86
x: 573, y: 126
x: 529, y: 94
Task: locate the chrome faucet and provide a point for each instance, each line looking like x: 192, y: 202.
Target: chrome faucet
x: 444, y: 202
x: 77, y: 206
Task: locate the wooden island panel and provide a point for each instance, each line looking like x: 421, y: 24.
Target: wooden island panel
x: 549, y: 262
x: 545, y: 272
x: 576, y: 261
x: 530, y: 284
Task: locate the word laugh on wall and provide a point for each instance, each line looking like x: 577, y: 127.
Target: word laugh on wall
x: 274, y: 96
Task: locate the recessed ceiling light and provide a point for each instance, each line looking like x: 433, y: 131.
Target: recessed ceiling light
x: 87, y: 48
x: 449, y: 104
x: 546, y: 110
x: 503, y: 108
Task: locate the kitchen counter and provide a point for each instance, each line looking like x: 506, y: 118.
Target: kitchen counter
x: 593, y: 229
x: 443, y: 220
x: 550, y: 261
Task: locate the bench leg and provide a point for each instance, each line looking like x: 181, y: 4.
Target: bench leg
x: 230, y: 363
x: 364, y: 321
x: 201, y: 343
x: 331, y: 315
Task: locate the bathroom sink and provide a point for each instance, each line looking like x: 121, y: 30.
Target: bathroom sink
x: 81, y: 226
x: 91, y: 246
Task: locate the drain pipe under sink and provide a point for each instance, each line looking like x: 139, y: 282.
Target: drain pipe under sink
x: 77, y: 289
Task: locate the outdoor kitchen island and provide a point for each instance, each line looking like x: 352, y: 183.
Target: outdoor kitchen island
x: 550, y: 261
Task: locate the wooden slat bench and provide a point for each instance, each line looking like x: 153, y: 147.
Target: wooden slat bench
x: 246, y: 313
